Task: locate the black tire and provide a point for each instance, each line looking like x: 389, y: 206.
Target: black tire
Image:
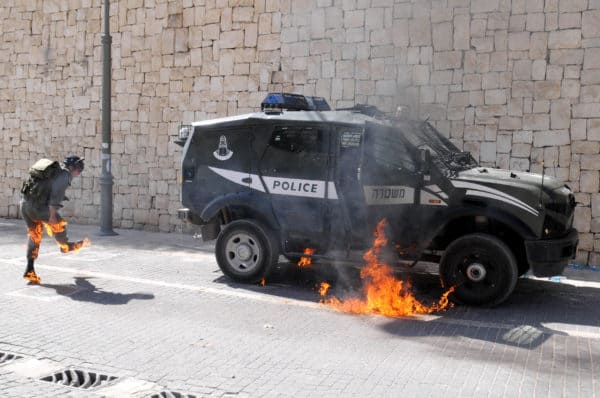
x: 482, y: 268
x: 246, y: 251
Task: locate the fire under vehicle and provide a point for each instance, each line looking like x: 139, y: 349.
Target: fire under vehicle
x: 298, y: 175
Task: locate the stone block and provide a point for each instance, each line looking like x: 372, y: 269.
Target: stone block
x: 587, y: 110
x: 522, y: 89
x: 420, y: 32
x: 538, y: 48
x: 536, y: 122
x: 570, y: 88
x: 551, y: 138
x: 522, y: 69
x: 447, y: 60
x: 568, y: 38
x: 570, y: 20
x: 504, y: 143
x: 591, y: 58
x: 487, y: 152
x: 509, y: 123
x: 593, y: 130
x: 520, y: 150
x: 578, y: 129
x: 589, y: 181
x: 481, y: 6
x: 590, y: 162
x: 458, y: 99
x: 518, y: 41
x: 595, y: 204
x: 523, y: 136
x: 547, y: 89
x: 232, y: 39
x: 354, y: 18
x: 566, y: 57
x: 474, y: 133
x: 535, y: 22
x: 538, y: 69
x: 442, y: 36
x: 572, y: 5
x: 462, y: 39
x: 268, y: 42
x: 590, y: 24
x: 560, y: 114
x: 585, y: 147
x: 495, y: 97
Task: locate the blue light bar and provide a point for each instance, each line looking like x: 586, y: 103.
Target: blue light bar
x: 294, y: 102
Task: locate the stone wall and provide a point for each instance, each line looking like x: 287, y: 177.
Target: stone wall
x: 517, y: 83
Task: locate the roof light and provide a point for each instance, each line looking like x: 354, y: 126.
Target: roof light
x: 293, y: 102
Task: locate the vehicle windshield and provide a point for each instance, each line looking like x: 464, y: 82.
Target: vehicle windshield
x: 443, y: 152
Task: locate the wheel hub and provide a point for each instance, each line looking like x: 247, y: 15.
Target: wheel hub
x: 244, y: 252
x: 476, y: 272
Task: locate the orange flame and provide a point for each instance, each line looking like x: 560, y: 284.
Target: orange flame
x: 323, y: 288
x: 58, y: 227
x: 384, y: 294
x: 262, y: 282
x: 305, y: 262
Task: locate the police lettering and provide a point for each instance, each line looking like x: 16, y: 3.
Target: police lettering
x: 295, y: 186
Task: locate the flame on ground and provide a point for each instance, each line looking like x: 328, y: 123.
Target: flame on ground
x: 384, y: 294
x: 263, y: 282
x: 305, y: 262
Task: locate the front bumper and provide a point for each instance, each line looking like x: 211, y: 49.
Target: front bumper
x: 549, y: 257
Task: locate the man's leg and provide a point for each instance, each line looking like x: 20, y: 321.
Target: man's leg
x: 59, y: 230
x: 34, y: 235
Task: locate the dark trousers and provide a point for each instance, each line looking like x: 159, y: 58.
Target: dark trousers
x: 35, y: 218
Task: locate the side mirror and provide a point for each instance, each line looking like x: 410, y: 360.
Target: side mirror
x: 425, y: 160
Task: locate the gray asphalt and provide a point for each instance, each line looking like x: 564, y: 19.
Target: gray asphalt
x: 152, y: 314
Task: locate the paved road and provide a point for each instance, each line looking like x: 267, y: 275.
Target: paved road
x: 154, y: 312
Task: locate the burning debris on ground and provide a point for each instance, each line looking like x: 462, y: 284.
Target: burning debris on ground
x: 384, y: 294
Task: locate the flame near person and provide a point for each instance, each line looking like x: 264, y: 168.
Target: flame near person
x: 383, y: 293
x: 65, y: 247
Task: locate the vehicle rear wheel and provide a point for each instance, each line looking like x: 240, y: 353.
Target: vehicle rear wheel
x: 246, y: 250
x: 482, y: 268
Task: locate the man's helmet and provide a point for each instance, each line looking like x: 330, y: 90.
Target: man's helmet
x: 74, y: 161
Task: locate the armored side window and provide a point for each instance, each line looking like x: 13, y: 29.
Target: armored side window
x: 297, y: 140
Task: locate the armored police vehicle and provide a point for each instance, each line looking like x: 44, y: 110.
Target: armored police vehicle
x: 298, y: 175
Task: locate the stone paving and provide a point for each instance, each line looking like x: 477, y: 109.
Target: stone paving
x: 153, y: 310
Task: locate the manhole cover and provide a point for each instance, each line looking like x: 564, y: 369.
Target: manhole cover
x: 171, y: 394
x: 79, y: 378
x: 6, y: 357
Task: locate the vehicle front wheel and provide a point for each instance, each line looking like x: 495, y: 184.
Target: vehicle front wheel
x: 246, y: 250
x: 482, y: 269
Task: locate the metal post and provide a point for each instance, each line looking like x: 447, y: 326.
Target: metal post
x: 106, y: 179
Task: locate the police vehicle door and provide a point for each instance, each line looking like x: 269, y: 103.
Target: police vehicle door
x: 348, y: 222
x: 294, y: 168
x: 390, y: 181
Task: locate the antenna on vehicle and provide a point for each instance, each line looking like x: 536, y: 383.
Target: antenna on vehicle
x: 542, y: 187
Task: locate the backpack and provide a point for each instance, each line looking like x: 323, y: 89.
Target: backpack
x: 36, y: 188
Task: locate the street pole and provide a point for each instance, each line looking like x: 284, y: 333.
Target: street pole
x: 106, y: 179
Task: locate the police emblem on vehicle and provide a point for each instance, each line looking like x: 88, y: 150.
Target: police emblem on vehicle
x: 223, y: 152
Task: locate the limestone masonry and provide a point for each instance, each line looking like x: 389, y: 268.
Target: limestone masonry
x: 516, y: 83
